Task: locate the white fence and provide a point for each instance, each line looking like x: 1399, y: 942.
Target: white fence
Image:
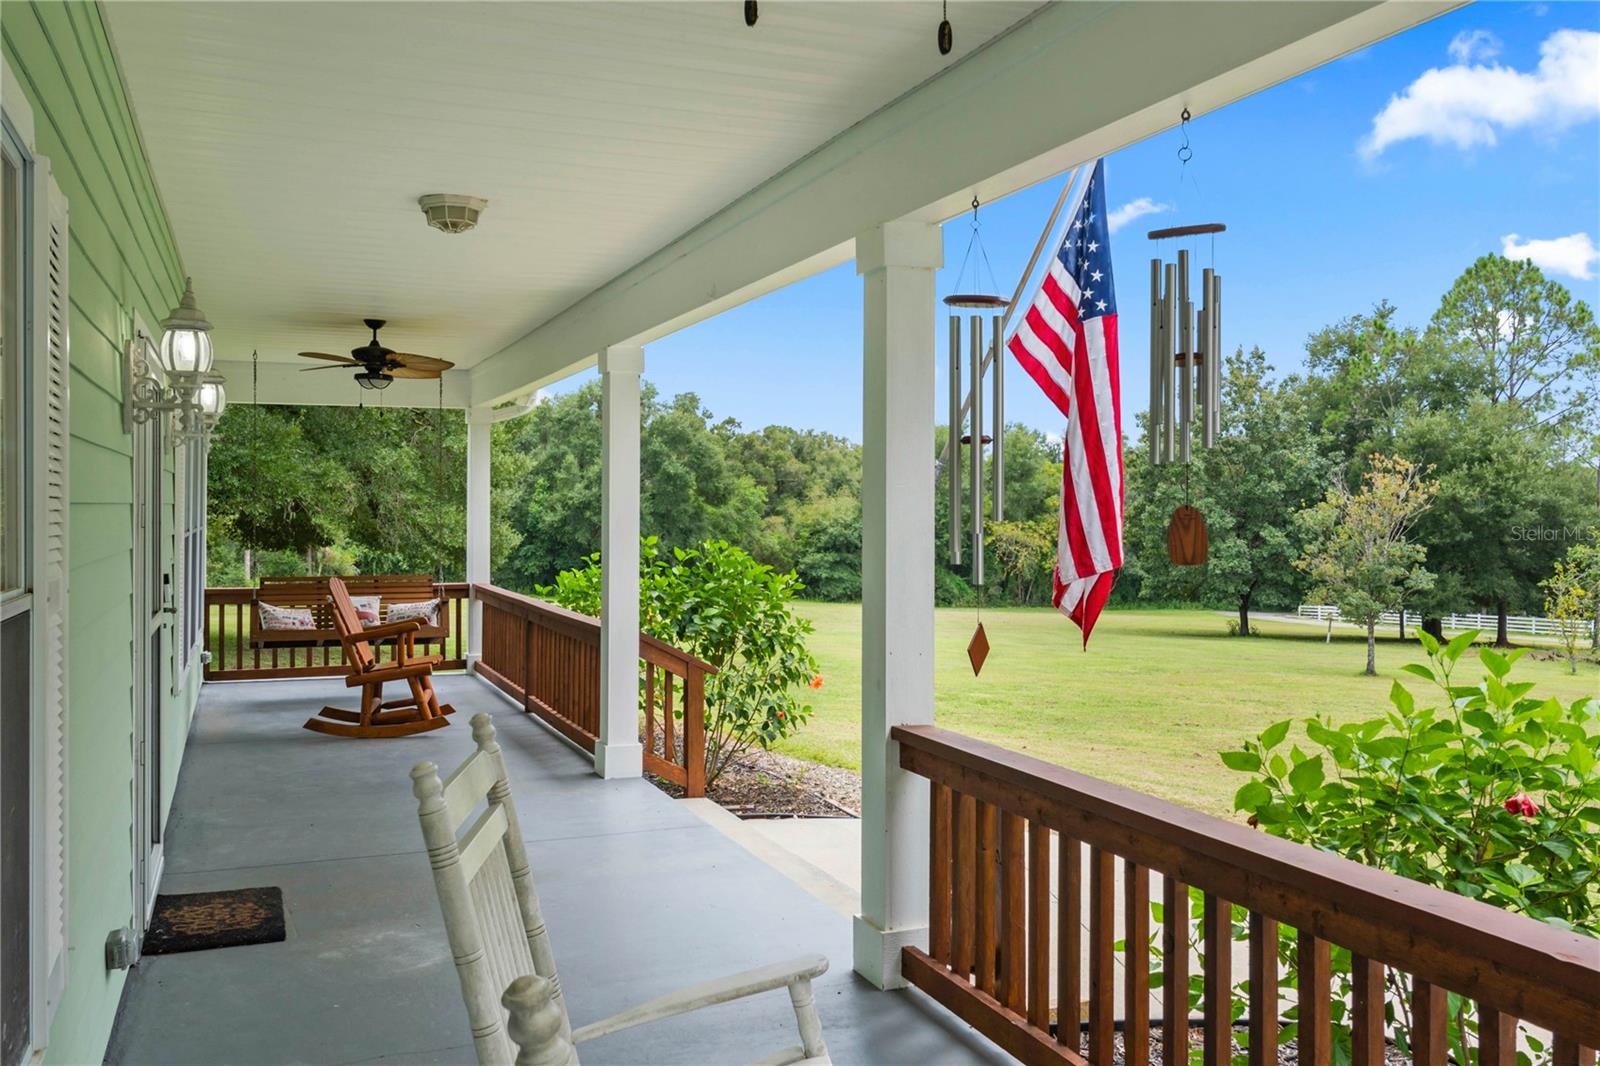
x: 1521, y: 624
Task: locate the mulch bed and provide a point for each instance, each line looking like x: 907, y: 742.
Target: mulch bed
x: 765, y: 784
x: 1288, y: 1051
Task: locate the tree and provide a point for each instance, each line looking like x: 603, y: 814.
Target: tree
x: 1506, y: 491
x: 1023, y: 554
x: 1526, y: 340
x: 1357, y: 552
x: 1572, y: 596
x: 1265, y: 466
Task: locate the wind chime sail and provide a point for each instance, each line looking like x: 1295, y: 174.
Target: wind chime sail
x: 1067, y: 342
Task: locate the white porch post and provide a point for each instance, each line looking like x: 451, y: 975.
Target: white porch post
x: 897, y: 261
x: 619, y: 754
x: 479, y: 423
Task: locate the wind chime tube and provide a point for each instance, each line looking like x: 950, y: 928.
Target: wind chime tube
x: 1152, y: 424
x: 997, y: 460
x: 1214, y: 302
x: 1185, y: 357
x: 976, y: 455
x: 1169, y: 296
x: 1208, y: 367
x: 952, y: 462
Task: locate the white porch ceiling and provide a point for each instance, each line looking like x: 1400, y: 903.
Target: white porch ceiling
x: 291, y: 141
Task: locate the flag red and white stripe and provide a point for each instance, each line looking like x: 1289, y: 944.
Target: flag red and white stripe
x: 1067, y: 342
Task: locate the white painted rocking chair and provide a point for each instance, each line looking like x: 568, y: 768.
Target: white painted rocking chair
x: 502, y: 950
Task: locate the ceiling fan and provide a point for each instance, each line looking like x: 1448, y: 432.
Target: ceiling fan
x: 377, y: 366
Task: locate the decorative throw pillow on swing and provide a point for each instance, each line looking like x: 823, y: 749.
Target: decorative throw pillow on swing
x: 273, y: 617
x: 427, y: 610
x: 367, y: 609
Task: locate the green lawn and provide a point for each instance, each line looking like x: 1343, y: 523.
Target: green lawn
x: 1157, y: 695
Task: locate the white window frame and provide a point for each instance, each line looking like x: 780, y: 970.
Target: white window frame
x: 189, y: 557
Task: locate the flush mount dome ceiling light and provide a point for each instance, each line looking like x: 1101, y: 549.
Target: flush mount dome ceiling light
x: 452, y: 213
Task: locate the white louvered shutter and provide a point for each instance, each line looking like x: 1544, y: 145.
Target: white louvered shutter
x: 52, y: 507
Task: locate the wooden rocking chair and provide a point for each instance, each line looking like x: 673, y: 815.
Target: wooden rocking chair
x: 502, y: 949
x: 419, y: 713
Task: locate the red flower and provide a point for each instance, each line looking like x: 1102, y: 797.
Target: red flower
x: 816, y: 682
x: 1522, y: 804
x: 780, y: 715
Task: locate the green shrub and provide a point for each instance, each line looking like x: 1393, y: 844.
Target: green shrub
x: 718, y: 603
x: 1483, y: 790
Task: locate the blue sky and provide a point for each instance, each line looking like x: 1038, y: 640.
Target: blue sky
x: 1487, y: 123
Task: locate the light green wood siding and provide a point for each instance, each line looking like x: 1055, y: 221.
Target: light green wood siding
x: 123, y: 260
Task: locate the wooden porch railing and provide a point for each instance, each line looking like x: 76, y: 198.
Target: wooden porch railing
x: 992, y: 918
x: 227, y: 638
x: 548, y: 658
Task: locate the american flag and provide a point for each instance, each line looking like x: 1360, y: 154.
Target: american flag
x: 1067, y: 342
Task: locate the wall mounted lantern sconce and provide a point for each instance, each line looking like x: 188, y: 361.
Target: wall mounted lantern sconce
x: 173, y: 378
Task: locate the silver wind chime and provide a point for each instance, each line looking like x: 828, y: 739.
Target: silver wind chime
x: 1185, y: 352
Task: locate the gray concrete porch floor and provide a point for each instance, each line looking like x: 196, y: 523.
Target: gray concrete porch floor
x: 641, y: 897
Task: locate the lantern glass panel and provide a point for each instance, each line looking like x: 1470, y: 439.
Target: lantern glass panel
x: 186, y: 351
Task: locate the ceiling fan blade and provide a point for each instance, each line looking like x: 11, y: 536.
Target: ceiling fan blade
x: 331, y: 366
x: 332, y: 358
x: 414, y: 373
x: 421, y: 362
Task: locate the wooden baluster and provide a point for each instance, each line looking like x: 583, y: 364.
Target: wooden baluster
x: 964, y: 887
x: 1174, y: 971
x: 240, y: 639
x: 1263, y: 990
x: 1013, y: 914
x: 939, y: 814
x: 694, y: 733
x: 1218, y: 992
x: 1102, y: 954
x: 1497, y: 1038
x: 667, y: 723
x: 221, y: 658
x: 650, y: 708
x: 1366, y: 1012
x: 988, y: 919
x: 1568, y: 1052
x: 1038, y: 925
x: 1136, y: 964
x: 1430, y: 1024
x: 1069, y: 944
x: 1315, y: 1033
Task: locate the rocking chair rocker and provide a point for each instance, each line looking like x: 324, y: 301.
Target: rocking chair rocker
x: 419, y: 713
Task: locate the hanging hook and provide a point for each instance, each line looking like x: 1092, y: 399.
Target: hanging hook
x: 975, y: 206
x: 1185, y: 153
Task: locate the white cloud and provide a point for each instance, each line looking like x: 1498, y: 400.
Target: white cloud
x: 1134, y: 209
x: 1574, y: 255
x: 1470, y: 104
x: 1470, y: 45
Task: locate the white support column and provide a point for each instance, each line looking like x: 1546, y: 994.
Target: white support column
x: 897, y: 261
x: 619, y: 754
x: 479, y: 435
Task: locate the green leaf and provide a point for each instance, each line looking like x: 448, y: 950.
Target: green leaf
x: 1244, y: 761
x: 1419, y: 670
x: 1429, y: 644
x: 1522, y: 875
x: 1273, y: 735
x: 1251, y: 795
x: 1401, y: 698
x: 1307, y: 776
x: 1496, y: 663
x: 1580, y: 758
x: 1458, y: 644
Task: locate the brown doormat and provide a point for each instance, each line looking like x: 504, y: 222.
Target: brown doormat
x: 197, y: 921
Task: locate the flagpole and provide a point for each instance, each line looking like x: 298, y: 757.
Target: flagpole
x: 1022, y: 282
